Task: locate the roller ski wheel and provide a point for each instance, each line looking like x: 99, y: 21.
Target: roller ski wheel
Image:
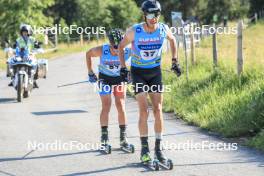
x: 106, y: 148
x: 163, y: 161
x: 156, y: 165
x: 167, y: 164
x: 130, y: 148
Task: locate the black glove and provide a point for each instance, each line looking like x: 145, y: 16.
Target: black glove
x: 176, y: 67
x: 124, y: 74
x: 92, y: 78
x: 37, y: 44
x: 14, y: 45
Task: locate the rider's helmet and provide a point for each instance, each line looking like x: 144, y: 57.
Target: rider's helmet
x: 115, y: 37
x: 151, y: 6
x: 26, y: 28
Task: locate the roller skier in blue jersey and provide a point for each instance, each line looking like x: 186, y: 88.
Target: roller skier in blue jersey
x: 110, y: 83
x: 147, y: 40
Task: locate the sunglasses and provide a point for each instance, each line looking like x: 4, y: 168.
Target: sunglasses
x: 150, y: 16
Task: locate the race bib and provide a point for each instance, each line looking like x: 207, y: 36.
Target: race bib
x: 113, y: 68
x: 149, y: 54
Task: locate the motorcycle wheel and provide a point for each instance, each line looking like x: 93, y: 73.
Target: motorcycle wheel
x: 20, y: 88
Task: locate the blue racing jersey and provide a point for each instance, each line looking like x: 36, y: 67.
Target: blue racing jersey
x: 109, y: 64
x: 147, y: 47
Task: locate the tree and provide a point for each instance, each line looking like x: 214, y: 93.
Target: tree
x: 233, y: 8
x: 187, y: 7
x: 63, y: 10
x: 13, y: 13
x: 124, y: 13
x: 107, y: 13
x: 206, y: 9
x: 256, y: 6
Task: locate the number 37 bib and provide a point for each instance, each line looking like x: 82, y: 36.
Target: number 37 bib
x: 149, y: 52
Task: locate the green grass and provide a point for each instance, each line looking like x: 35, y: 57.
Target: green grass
x: 258, y: 141
x: 2, y: 59
x: 218, y: 100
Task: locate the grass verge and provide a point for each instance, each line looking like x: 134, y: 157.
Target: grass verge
x: 219, y: 100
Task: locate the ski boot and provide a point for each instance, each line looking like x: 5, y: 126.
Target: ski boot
x: 105, y: 146
x: 124, y: 145
x: 146, y: 160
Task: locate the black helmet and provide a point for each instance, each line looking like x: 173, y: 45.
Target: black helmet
x: 151, y: 6
x: 115, y: 37
x: 26, y: 28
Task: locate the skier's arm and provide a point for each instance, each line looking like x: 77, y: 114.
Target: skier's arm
x: 93, y: 52
x: 173, y: 44
x: 128, y: 38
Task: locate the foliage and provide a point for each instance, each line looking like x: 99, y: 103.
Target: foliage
x: 15, y: 12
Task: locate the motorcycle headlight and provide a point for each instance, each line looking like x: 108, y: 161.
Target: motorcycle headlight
x: 18, y: 59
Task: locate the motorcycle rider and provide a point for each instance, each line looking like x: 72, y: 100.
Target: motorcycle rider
x: 28, y: 43
x: 147, y: 39
x: 109, y: 82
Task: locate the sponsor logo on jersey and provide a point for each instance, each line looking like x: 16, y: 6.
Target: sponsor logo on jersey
x: 150, y: 40
x: 111, y: 62
x: 149, y: 47
x: 106, y: 52
x: 138, y: 29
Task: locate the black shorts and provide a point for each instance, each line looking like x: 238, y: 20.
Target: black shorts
x: 147, y: 80
x: 109, y: 80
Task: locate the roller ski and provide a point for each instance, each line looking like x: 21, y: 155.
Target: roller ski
x: 147, y: 161
x: 105, y: 146
x: 124, y: 145
x: 163, y: 162
x: 145, y: 157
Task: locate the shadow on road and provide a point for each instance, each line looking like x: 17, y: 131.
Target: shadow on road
x: 45, y: 156
x: 7, y: 100
x: 164, y: 135
x: 131, y: 165
x: 6, y: 173
x: 43, y: 113
x: 96, y: 171
x: 217, y: 163
x: 148, y: 169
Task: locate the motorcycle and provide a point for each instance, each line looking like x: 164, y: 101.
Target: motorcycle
x: 23, y: 69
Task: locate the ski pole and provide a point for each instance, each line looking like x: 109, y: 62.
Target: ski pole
x: 70, y: 84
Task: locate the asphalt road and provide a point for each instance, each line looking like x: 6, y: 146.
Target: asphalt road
x: 70, y: 115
